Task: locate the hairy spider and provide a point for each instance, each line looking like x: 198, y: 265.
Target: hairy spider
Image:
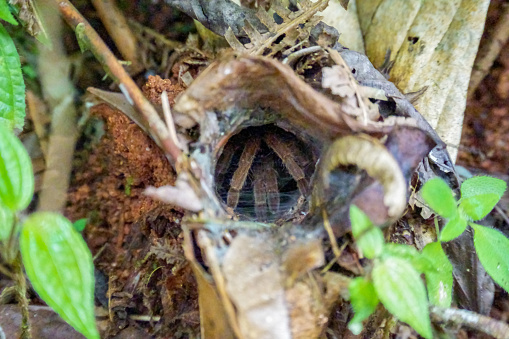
x: 262, y: 172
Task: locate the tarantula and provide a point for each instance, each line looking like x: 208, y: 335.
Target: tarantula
x: 262, y: 171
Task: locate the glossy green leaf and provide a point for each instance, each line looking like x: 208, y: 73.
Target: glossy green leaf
x: 438, y: 195
x: 79, y: 225
x: 364, y: 301
x: 401, y: 290
x: 453, y: 229
x: 12, y: 87
x: 5, y: 13
x: 6, y: 222
x: 492, y: 248
x: 439, y: 277
x: 16, y: 177
x: 59, y: 265
x: 369, y: 238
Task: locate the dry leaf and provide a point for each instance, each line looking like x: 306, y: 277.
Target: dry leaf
x: 345, y: 20
x: 433, y: 43
x: 370, y: 155
x: 296, y: 26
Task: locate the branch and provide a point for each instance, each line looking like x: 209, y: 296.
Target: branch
x: 118, y: 73
x: 475, y: 321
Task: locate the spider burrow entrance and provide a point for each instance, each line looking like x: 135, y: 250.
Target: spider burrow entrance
x: 262, y: 173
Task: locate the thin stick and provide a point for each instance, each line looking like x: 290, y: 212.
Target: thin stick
x: 332, y: 237
x: 116, y: 25
x: 118, y: 73
x: 169, y: 118
x: 490, y: 51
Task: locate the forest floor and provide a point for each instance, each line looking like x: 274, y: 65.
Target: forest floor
x: 141, y: 270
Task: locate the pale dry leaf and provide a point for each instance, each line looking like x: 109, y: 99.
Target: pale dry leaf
x: 255, y: 286
x: 387, y: 28
x: 433, y: 43
x: 366, y: 9
x: 341, y: 78
x: 346, y: 22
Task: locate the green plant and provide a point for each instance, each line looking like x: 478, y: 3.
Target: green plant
x: 57, y: 260
x: 55, y: 256
x: 395, y: 278
x: 479, y: 195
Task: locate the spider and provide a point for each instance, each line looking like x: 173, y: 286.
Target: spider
x: 263, y: 170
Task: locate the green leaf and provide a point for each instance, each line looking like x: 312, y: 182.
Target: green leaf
x: 453, y: 229
x: 12, y: 87
x: 16, y: 177
x: 6, y: 222
x: 408, y: 253
x: 479, y: 195
x: 59, y: 265
x: 439, y: 277
x: 370, y: 239
x: 477, y: 207
x: 492, y: 248
x: 482, y: 185
x: 5, y: 13
x: 364, y: 301
x: 79, y: 225
x: 438, y: 195
x: 401, y: 290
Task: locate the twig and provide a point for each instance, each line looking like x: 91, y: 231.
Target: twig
x: 117, y: 72
x: 490, y: 51
x: 481, y: 323
x: 332, y: 237
x: 116, y: 25
x: 169, y: 118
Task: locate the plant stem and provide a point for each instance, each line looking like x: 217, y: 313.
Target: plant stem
x: 21, y: 291
x: 118, y: 73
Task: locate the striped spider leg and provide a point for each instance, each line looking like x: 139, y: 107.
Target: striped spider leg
x: 265, y: 187
x: 239, y: 177
x: 286, y: 151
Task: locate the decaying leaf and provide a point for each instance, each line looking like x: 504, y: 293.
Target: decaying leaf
x: 340, y: 80
x: 343, y: 17
x: 433, y: 43
x: 254, y: 278
x: 370, y: 155
x: 29, y: 15
x: 229, y: 83
x: 295, y: 28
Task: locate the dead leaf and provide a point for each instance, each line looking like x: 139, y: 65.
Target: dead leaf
x: 433, y: 44
x: 342, y: 15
